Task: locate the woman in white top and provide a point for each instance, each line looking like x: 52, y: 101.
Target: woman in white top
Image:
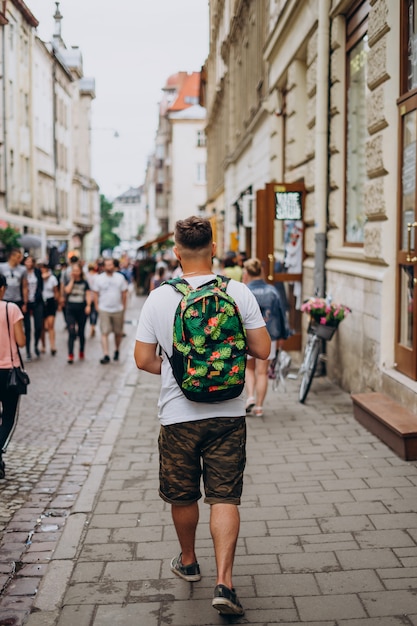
x: 50, y: 296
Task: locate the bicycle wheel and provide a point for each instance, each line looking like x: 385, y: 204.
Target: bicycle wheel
x: 309, y: 365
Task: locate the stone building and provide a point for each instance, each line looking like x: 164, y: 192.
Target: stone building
x: 46, y: 187
x: 133, y: 223
x: 311, y: 132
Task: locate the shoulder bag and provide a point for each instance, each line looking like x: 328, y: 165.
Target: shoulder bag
x: 18, y: 379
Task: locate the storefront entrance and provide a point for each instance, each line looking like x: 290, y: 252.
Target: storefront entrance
x: 280, y: 246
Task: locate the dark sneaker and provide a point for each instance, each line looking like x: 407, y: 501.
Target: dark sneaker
x: 226, y: 602
x: 190, y: 573
x: 116, y: 356
x: 105, y: 359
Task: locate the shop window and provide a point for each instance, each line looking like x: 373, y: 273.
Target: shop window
x: 406, y: 337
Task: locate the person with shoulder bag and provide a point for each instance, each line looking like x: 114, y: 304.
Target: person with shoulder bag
x: 13, y: 335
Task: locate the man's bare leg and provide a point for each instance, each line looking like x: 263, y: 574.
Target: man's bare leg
x: 185, y: 520
x: 105, y: 344
x: 224, y: 528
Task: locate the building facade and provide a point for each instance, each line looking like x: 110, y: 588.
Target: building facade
x: 315, y: 102
x: 175, y: 181
x: 133, y: 224
x: 46, y: 187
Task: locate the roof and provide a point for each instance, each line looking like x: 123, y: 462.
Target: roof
x: 188, y: 92
x: 133, y: 193
x: 26, y: 12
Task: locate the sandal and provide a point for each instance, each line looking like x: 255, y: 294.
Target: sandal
x: 250, y: 403
x: 257, y: 411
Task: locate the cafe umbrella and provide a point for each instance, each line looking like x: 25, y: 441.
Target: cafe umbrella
x: 29, y: 241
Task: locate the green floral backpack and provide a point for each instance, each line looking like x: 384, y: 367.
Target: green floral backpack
x: 209, y: 342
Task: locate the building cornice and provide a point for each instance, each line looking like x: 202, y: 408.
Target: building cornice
x: 3, y: 18
x: 25, y: 11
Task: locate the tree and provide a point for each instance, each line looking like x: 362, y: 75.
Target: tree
x: 9, y: 238
x: 141, y: 231
x: 109, y: 221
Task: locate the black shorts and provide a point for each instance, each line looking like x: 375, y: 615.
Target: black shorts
x: 214, y: 448
x: 50, y: 307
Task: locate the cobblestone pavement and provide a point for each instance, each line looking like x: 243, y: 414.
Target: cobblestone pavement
x: 61, y: 423
x: 328, y: 534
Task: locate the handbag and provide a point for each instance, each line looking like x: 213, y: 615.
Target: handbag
x: 18, y: 379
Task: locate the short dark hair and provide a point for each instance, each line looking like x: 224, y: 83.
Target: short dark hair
x: 14, y: 251
x: 193, y: 233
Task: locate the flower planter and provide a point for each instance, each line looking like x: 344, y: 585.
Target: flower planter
x: 324, y: 331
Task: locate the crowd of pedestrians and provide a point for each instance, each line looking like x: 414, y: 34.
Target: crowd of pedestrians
x: 31, y: 295
x: 95, y: 293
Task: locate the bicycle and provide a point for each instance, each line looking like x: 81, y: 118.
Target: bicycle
x: 330, y: 316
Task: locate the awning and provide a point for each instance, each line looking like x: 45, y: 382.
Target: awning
x: 48, y: 228
x: 160, y: 239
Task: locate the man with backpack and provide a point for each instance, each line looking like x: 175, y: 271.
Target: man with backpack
x: 195, y: 332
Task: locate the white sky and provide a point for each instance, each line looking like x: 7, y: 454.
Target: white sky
x: 130, y: 47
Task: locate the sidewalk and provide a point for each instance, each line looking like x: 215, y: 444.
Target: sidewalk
x: 328, y: 534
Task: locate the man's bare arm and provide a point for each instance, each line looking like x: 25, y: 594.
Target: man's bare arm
x: 146, y: 357
x: 259, y: 342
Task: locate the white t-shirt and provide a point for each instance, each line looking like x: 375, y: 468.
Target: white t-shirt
x: 110, y: 289
x: 155, y: 326
x: 48, y: 287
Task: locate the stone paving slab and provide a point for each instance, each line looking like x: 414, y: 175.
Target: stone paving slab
x: 328, y: 534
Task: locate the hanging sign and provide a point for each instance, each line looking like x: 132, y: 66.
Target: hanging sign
x: 288, y: 201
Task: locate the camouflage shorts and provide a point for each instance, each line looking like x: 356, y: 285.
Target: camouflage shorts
x: 214, y: 448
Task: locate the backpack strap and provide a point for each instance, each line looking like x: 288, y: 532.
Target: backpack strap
x: 181, y: 285
x: 222, y: 282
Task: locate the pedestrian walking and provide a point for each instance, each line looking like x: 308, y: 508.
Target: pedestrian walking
x: 231, y: 267
x: 13, y: 335
x: 199, y: 438
x: 274, y: 317
x: 50, y: 295
x: 110, y: 299
x: 78, y: 306
x: 64, y: 278
x: 158, y: 278
x: 15, y: 275
x: 93, y: 316
x: 34, y: 307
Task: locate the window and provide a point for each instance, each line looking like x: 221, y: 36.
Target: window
x: 356, y: 126
x: 201, y: 138
x: 409, y: 54
x: 201, y: 172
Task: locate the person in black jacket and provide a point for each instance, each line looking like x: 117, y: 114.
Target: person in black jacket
x: 34, y: 306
